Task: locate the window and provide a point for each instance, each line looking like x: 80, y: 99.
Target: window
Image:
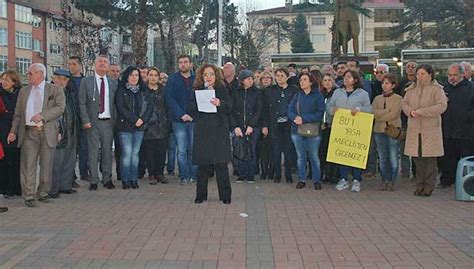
x: 318, y: 21
x: 387, y: 15
x: 36, y: 21
x: 23, y: 40
x: 3, y: 37
x: 318, y: 38
x: 3, y: 63
x: 22, y: 14
x: 127, y: 40
x: 36, y: 45
x: 22, y: 65
x: 384, y: 34
x: 55, y: 26
x: 54, y: 48
x: 54, y: 68
x: 3, y: 8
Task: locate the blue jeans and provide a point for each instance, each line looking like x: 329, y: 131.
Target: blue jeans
x: 184, y: 133
x: 388, y: 149
x: 304, y: 146
x: 130, y: 143
x: 247, y: 168
x: 171, y: 153
x: 356, y: 172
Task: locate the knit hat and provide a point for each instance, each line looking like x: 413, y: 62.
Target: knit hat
x: 245, y: 74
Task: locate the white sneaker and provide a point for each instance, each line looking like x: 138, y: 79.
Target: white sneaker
x: 342, y: 185
x: 355, y: 186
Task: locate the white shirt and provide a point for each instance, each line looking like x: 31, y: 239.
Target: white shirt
x: 106, y: 114
x: 30, y: 104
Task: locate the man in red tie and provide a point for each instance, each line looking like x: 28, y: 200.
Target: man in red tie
x: 96, y: 106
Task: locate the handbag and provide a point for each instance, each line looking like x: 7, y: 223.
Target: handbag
x: 242, y: 148
x: 397, y: 133
x: 311, y: 129
x: 392, y: 131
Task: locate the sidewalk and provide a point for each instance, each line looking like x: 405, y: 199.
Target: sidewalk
x: 161, y: 227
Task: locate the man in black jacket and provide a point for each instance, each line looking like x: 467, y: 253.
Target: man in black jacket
x: 65, y: 155
x: 457, y: 122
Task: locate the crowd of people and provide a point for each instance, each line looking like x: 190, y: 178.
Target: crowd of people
x: 267, y: 123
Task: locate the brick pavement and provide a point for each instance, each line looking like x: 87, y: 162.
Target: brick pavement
x: 161, y: 227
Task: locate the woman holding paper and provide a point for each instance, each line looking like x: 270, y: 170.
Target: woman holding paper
x: 353, y: 97
x: 211, y: 134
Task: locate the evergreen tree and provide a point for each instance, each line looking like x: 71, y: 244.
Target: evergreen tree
x: 432, y: 23
x: 300, y: 41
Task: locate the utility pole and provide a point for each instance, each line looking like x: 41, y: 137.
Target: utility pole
x: 219, y: 34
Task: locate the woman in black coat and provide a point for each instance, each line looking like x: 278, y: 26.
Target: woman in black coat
x: 157, y: 129
x: 133, y: 113
x: 278, y: 97
x: 245, y: 121
x: 10, y: 164
x: 211, y: 134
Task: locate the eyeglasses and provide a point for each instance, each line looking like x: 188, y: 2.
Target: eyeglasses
x: 411, y: 65
x: 380, y: 72
x: 265, y: 77
x: 209, y: 74
x: 30, y: 73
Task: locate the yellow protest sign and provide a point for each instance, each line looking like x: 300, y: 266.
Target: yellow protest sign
x: 350, y: 138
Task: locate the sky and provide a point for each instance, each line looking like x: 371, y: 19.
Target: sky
x: 259, y: 4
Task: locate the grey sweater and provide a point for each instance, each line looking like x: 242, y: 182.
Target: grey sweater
x: 359, y: 98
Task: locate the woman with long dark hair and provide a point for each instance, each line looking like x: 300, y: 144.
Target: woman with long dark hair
x: 133, y: 112
x: 211, y: 148
x: 10, y: 164
x: 307, y: 107
x: 328, y: 170
x: 353, y: 97
x: 157, y: 129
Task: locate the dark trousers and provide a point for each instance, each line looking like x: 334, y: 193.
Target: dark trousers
x: 454, y: 150
x: 118, y: 154
x: 426, y: 172
x: 329, y: 171
x: 142, y: 168
x: 10, y: 172
x: 265, y: 157
x: 222, y: 178
x: 155, y: 151
x: 281, y: 143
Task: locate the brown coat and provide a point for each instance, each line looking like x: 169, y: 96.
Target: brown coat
x: 390, y: 113
x: 54, y: 104
x: 431, y: 102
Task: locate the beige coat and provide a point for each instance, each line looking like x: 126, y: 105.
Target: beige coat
x: 391, y: 112
x: 431, y: 102
x: 54, y: 104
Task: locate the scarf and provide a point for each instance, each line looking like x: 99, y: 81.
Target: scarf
x: 133, y: 89
x: 388, y: 94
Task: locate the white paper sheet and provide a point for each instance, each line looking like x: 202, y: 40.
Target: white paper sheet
x: 203, y: 100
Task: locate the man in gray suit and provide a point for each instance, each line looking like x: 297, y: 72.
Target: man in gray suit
x: 39, y: 106
x: 96, y: 106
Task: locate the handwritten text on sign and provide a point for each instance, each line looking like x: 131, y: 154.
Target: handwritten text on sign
x: 350, y: 138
